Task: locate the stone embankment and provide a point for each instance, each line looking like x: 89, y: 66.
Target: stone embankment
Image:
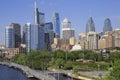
x: 30, y: 73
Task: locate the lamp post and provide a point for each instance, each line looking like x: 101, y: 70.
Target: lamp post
x: 66, y: 56
x: 98, y: 67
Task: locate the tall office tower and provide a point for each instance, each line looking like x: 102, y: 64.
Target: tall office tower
x: 116, y: 37
x: 49, y: 35
x: 23, y: 36
x: 38, y: 16
x: 17, y: 33
x: 90, y: 27
x: 56, y: 23
x: 9, y: 37
x: 34, y: 36
x: 107, y: 25
x: 92, y: 38
x: 67, y: 31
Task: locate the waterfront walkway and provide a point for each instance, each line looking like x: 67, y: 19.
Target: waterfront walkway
x: 29, y: 72
x: 41, y: 75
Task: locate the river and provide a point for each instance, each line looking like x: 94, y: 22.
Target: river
x: 7, y: 73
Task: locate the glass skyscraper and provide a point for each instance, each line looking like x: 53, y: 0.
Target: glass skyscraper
x: 49, y: 35
x: 9, y: 37
x: 17, y: 34
x: 38, y: 16
x: 56, y: 23
x: 34, y: 37
x: 34, y: 33
x: 107, y: 25
x: 90, y: 27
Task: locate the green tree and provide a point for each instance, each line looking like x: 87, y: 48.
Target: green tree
x: 115, y: 72
x: 68, y: 65
x: 59, y: 62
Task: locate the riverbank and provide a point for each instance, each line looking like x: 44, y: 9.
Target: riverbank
x: 30, y: 73
x: 70, y: 74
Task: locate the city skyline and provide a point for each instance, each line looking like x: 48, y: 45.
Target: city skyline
x: 78, y: 12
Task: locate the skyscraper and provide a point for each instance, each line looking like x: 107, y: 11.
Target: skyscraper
x: 38, y: 16
x: 34, y: 36
x: 92, y: 38
x: 9, y: 37
x: 107, y: 25
x: 34, y: 33
x: 56, y: 23
x: 49, y: 35
x: 23, y: 36
x: 17, y: 34
x: 67, y: 31
x: 90, y: 27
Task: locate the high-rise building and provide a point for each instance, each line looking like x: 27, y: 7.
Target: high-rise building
x: 17, y: 34
x: 23, y: 35
x: 56, y: 23
x: 67, y: 31
x: 116, y: 37
x: 107, y: 25
x: 9, y: 37
x: 106, y: 41
x: 90, y: 27
x: 34, y: 37
x: 92, y: 38
x: 38, y: 16
x: 49, y: 35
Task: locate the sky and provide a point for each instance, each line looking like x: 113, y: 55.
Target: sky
x: 77, y: 11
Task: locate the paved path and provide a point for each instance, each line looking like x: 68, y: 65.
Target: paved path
x: 29, y: 72
x: 95, y: 74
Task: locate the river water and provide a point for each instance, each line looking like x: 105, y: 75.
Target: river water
x: 7, y: 73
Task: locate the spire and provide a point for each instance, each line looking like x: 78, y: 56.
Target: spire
x: 35, y: 12
x: 35, y: 5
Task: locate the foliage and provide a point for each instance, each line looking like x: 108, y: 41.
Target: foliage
x: 68, y: 65
x: 114, y: 56
x: 60, y: 59
x: 115, y: 72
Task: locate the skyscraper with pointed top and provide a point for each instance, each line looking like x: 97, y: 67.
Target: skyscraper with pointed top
x: 38, y: 16
x: 90, y: 27
x: 107, y: 25
x: 34, y: 33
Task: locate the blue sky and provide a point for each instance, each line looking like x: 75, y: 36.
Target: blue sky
x: 77, y: 11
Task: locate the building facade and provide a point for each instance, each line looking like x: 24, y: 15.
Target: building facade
x: 116, y: 37
x: 107, y: 26
x: 106, y: 41
x: 34, y: 37
x: 49, y: 35
x: 38, y: 16
x: 9, y: 37
x: 90, y: 26
x: 92, y: 38
x: 82, y: 36
x: 56, y: 23
x: 67, y: 31
x: 17, y: 34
